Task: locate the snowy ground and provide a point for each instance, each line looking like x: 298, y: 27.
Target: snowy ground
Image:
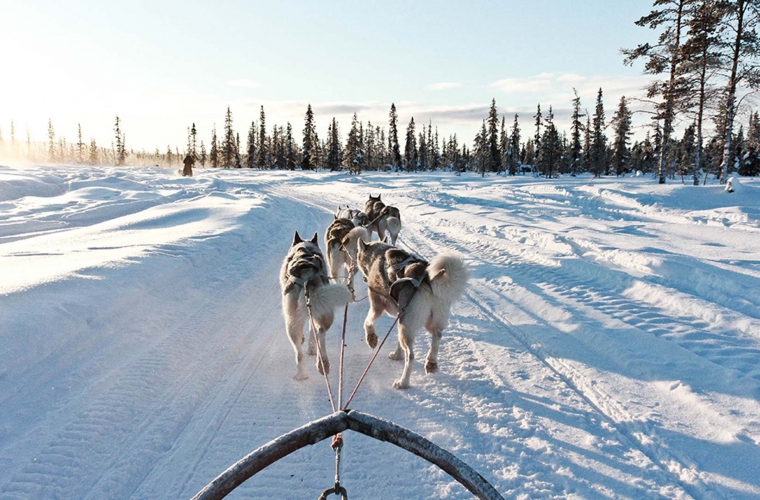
x: 608, y: 345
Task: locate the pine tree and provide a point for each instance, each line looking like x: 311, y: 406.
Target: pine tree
x: 665, y: 56
x: 352, y: 158
x: 700, y: 60
x: 203, y: 156
x: 598, y: 148
x: 262, y: 161
x: 334, y: 147
x: 193, y: 142
x: 537, y: 137
x: 393, y: 146
x: 423, y: 150
x: 504, y: 144
x: 621, y: 123
x: 94, y: 158
x: 228, y: 142
x: 250, y: 149
x: 213, y: 154
x: 307, y: 160
x: 51, y: 146
x: 290, y: 149
x: 370, y: 148
x: 576, y: 128
x: 411, y: 156
x: 550, y: 148
x: 80, y: 145
x: 687, y: 152
x: 493, y: 158
x: 742, y: 47
x: 120, y: 149
x: 513, y: 156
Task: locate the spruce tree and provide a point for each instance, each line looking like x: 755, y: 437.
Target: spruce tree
x: 51, y: 142
x: 250, y: 149
x: 262, y: 160
x: 576, y: 128
x: 393, y: 146
x: 203, y: 156
x: 621, y: 124
x: 598, y: 149
x: 435, y: 151
x: 228, y: 142
x: 537, y: 137
x: 307, y: 160
x: 290, y: 149
x: 334, y: 148
x: 513, y: 155
x: 493, y: 158
x: 213, y: 154
x: 550, y: 148
x: 410, y: 150
x: 94, y: 157
x: 193, y: 142
x: 80, y: 144
x: 503, y: 144
x: 352, y: 157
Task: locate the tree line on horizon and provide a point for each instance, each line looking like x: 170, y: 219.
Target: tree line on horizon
x: 706, y: 54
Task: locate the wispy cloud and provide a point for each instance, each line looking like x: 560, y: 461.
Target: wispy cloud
x: 250, y: 84
x: 444, y: 86
x: 537, y: 83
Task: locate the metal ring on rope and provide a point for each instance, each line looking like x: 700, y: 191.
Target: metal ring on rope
x: 318, y: 430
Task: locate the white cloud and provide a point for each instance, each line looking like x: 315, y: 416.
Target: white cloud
x: 537, y: 83
x: 251, y: 84
x: 444, y: 86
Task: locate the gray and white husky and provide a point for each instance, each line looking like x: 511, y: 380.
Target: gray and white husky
x: 373, y: 207
x: 358, y: 217
x: 424, y: 292
x: 392, y: 222
x: 340, y: 244
x: 304, y: 270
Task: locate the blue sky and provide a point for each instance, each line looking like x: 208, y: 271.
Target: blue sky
x: 161, y: 65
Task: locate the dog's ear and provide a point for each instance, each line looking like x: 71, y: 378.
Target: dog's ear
x: 385, y: 239
x: 379, y: 196
x: 296, y: 239
x: 335, y: 216
x: 315, y: 240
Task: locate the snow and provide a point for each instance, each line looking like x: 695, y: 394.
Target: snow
x: 608, y: 345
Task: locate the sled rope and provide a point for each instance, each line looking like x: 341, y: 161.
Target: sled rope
x: 377, y: 351
x: 337, y: 445
x: 313, y: 328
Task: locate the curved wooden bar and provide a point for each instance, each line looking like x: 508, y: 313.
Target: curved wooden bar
x: 318, y: 430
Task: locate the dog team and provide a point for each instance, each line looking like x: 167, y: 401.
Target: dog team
x: 399, y: 283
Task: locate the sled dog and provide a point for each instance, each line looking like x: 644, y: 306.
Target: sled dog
x: 392, y: 222
x: 373, y: 207
x: 423, y: 292
x: 358, y: 217
x: 304, y: 271
x: 340, y: 244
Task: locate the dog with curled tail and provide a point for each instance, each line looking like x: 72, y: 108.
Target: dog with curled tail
x: 304, y: 276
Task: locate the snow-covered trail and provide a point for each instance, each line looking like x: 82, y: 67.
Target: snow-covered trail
x: 607, y: 347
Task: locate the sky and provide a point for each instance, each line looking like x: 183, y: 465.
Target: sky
x: 162, y: 65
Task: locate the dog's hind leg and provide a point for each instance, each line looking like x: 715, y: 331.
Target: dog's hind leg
x: 323, y: 324
x: 406, y: 343
x: 376, y: 309
x: 294, y: 326
x: 431, y: 362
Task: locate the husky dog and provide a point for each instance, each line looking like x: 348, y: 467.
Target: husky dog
x: 374, y: 209
x: 422, y: 292
x: 304, y: 272
x: 358, y: 217
x: 336, y: 238
x: 392, y: 222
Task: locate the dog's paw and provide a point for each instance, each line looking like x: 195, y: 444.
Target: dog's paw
x: 326, y: 370
x: 300, y: 377
x: 396, y: 355
x: 371, y: 340
x: 312, y: 350
x: 431, y: 367
x: 400, y: 384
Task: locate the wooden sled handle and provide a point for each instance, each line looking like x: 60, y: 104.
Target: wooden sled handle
x: 318, y: 430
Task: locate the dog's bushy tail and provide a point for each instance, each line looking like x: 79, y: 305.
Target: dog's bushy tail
x: 326, y: 298
x: 448, y: 276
